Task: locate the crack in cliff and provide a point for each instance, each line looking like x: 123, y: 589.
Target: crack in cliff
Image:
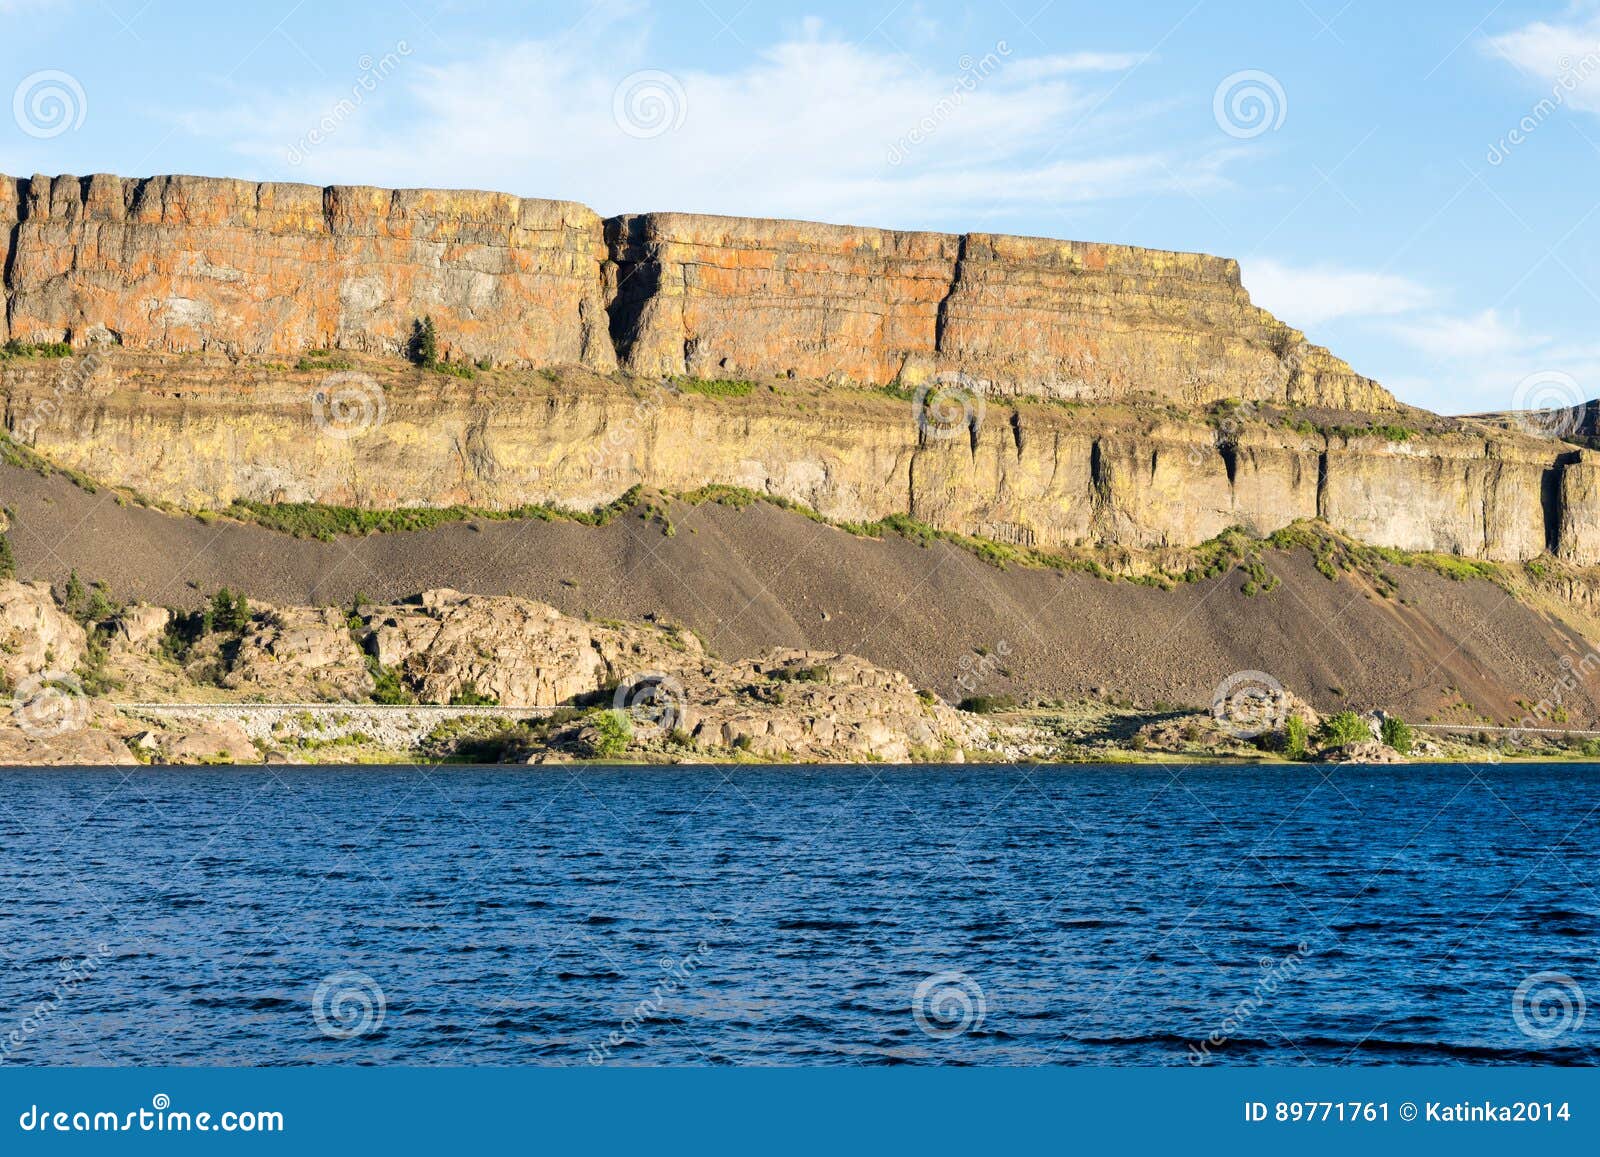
x: 13, y: 243
x: 941, y: 318
x: 637, y: 281
x: 1551, y: 505
x: 1322, y: 484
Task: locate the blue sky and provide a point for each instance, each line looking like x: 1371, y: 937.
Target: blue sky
x: 1357, y: 158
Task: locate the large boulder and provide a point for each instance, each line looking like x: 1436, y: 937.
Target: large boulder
x: 34, y: 635
x: 295, y: 654
x: 517, y: 651
x: 139, y: 627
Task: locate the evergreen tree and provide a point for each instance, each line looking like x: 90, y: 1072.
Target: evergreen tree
x: 424, y: 345
x: 229, y: 612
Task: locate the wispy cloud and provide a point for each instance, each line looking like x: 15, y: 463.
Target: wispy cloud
x: 1470, y: 361
x: 810, y: 127
x: 1476, y: 337
x: 1565, y: 54
x: 1311, y: 295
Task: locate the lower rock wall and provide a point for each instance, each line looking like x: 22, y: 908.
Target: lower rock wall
x: 201, y: 435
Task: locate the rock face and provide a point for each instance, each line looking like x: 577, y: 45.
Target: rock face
x: 789, y: 704
x: 35, y: 637
x: 189, y: 263
x: 1016, y: 470
x: 516, y: 651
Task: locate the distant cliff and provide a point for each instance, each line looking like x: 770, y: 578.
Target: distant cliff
x: 200, y: 298
x: 181, y: 264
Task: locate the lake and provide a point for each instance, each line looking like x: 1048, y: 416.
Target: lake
x: 762, y: 915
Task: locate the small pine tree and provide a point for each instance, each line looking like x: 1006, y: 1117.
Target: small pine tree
x: 229, y: 612
x: 8, y: 561
x: 76, y: 594
x: 424, y: 345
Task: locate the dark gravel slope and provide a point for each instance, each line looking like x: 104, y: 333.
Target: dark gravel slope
x: 751, y: 579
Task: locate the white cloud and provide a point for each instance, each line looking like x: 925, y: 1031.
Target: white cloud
x: 1476, y: 338
x: 1062, y: 64
x: 1316, y: 294
x: 809, y: 127
x: 1565, y: 58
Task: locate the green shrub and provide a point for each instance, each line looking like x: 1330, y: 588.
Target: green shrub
x: 1398, y: 735
x: 1296, y: 737
x: 8, y: 561
x: 613, y: 731
x: 1343, y: 728
x: 988, y: 704
x: 816, y: 674
x: 17, y: 348
x: 470, y: 696
x: 387, y: 687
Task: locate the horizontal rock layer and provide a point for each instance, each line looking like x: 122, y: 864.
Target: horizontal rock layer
x: 201, y: 433
x: 188, y: 263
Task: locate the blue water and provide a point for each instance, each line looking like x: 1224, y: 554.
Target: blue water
x: 1058, y: 916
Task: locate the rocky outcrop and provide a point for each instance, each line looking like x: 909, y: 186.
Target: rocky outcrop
x: 512, y: 650
x: 35, y: 637
x: 443, y: 647
x: 272, y: 270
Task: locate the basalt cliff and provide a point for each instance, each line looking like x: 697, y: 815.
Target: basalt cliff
x: 234, y: 340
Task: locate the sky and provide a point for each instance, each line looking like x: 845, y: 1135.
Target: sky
x: 1413, y: 184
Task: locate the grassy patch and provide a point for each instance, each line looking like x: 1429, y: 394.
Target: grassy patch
x: 326, y: 522
x: 714, y: 387
x: 322, y: 360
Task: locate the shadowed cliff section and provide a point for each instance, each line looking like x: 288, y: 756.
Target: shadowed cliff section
x: 181, y: 263
x: 759, y: 577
